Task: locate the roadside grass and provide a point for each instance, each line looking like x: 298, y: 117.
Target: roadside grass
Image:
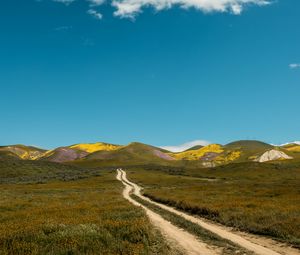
x: 262, y: 199
x: 227, y: 247
x: 86, y: 216
x: 27, y: 171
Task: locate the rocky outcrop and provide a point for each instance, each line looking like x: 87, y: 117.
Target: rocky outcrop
x: 272, y: 155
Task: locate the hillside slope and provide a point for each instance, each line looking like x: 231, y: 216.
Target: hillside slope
x: 22, y: 151
x: 63, y: 154
x: 134, y: 153
x: 216, y: 154
x: 139, y: 153
x: 93, y: 147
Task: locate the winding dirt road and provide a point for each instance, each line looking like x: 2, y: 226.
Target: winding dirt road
x: 188, y: 241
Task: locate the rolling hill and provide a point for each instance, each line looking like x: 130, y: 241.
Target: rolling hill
x: 134, y: 153
x: 93, y: 147
x: 77, y: 151
x: 22, y: 151
x: 63, y: 154
x: 138, y: 153
x: 238, y: 151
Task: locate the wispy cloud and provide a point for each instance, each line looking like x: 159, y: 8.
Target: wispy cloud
x: 63, y: 28
x: 66, y: 2
x: 294, y: 65
x: 294, y: 142
x: 131, y: 8
x: 185, y: 146
x: 95, y: 14
x: 96, y: 2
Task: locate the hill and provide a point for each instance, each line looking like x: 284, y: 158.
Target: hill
x: 63, y: 154
x: 22, y: 151
x: 77, y: 151
x: 195, y: 148
x: 7, y: 155
x: 93, y: 147
x: 216, y: 154
x: 249, y: 149
x: 293, y: 147
x: 105, y: 154
x: 134, y: 153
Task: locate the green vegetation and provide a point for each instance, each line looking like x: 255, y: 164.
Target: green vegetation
x: 227, y: 247
x: 258, y: 198
x: 84, y: 216
x: 23, y: 171
x: 7, y: 155
x: 77, y: 207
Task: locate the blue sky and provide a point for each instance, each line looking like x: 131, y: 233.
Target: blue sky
x: 161, y: 74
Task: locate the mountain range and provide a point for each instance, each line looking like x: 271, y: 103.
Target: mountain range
x: 138, y: 153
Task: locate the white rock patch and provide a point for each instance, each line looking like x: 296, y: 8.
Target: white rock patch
x: 272, y: 155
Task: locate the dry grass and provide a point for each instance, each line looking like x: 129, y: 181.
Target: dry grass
x: 255, y: 198
x: 87, y: 216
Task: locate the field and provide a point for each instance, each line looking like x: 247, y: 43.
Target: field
x: 85, y: 216
x: 258, y: 198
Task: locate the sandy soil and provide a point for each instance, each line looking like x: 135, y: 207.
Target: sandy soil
x: 258, y: 245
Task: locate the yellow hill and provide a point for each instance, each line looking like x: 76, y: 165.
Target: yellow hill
x: 196, y: 154
x: 294, y: 148
x: 93, y: 147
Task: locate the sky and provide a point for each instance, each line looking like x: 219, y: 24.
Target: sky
x: 159, y: 72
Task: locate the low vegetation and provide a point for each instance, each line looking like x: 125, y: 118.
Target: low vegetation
x: 26, y: 171
x: 83, y: 216
x: 226, y: 247
x: 259, y: 198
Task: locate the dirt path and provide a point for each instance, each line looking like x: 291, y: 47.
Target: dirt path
x: 241, y: 240
x: 186, y: 241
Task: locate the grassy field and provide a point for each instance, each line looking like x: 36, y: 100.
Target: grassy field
x: 30, y: 172
x: 85, y: 216
x: 225, y: 247
x: 258, y: 198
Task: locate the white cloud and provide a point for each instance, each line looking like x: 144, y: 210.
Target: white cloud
x: 185, y: 146
x: 66, y: 2
x: 130, y: 8
x: 283, y: 144
x: 96, y: 2
x: 294, y: 65
x: 295, y: 142
x: 95, y: 14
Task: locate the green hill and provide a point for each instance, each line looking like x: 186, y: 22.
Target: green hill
x: 250, y: 145
x: 197, y: 147
x: 249, y: 149
x: 134, y: 153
